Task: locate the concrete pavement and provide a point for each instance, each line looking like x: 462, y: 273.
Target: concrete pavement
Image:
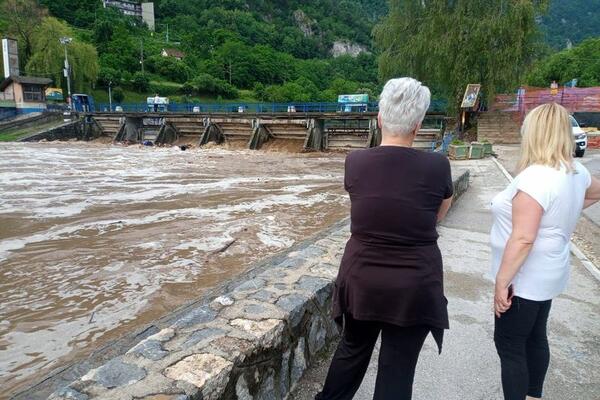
x: 469, y: 367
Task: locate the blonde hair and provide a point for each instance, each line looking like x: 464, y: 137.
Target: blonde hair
x: 547, y: 138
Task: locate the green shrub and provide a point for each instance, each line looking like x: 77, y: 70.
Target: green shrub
x: 165, y: 90
x: 118, y: 95
x: 108, y: 76
x: 208, y: 85
x: 169, y: 67
x: 140, y: 82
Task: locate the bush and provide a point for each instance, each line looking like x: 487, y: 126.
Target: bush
x: 140, y: 82
x: 107, y: 75
x: 118, y: 95
x: 170, y: 68
x: 208, y: 85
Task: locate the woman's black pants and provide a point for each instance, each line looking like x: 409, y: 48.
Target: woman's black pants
x: 522, y: 344
x: 398, y: 355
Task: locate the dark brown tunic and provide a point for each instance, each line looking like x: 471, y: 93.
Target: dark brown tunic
x: 391, y: 270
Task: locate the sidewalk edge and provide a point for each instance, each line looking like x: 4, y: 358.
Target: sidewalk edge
x: 576, y: 251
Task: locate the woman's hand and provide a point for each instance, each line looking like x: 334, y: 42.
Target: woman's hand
x: 502, y: 300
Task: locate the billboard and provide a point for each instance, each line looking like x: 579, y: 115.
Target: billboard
x: 471, y: 95
x: 353, y: 98
x: 10, y: 57
x: 55, y: 94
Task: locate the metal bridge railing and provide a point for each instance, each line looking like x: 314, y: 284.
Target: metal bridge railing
x: 254, y: 108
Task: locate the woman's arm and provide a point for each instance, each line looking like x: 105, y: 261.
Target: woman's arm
x: 444, y: 207
x: 526, y: 216
x: 592, y: 195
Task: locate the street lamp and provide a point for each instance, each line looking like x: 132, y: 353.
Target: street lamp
x: 65, y: 41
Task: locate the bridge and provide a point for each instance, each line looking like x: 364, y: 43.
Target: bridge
x: 314, y: 131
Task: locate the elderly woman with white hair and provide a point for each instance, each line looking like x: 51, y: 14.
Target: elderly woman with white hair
x: 391, y: 279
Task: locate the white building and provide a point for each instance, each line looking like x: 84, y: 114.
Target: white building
x: 145, y: 10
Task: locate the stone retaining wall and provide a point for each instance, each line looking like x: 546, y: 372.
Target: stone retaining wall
x: 499, y: 127
x: 252, y: 340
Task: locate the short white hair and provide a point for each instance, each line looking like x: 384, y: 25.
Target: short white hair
x: 402, y: 105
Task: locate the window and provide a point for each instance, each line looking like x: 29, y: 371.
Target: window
x: 33, y: 93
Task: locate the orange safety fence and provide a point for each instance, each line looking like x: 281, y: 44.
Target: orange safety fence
x: 527, y: 98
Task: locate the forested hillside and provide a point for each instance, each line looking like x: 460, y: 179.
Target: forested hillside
x: 277, y: 50
x: 257, y: 49
x: 571, y: 21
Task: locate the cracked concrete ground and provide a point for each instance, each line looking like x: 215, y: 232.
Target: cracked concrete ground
x: 468, y: 368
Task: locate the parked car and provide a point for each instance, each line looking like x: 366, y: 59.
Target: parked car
x: 581, y: 140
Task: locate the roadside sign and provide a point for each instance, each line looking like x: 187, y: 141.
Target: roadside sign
x: 471, y: 95
x: 353, y: 98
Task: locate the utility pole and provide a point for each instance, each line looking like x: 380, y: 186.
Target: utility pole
x: 67, y: 71
x: 142, y: 54
x: 167, y: 33
x: 109, y: 96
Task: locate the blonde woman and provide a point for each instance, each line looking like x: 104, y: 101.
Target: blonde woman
x: 534, y: 218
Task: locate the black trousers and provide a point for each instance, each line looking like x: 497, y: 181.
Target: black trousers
x: 522, y: 344
x: 400, y: 348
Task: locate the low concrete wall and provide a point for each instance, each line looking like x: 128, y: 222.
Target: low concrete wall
x: 29, y: 121
x: 251, y: 339
x: 66, y: 131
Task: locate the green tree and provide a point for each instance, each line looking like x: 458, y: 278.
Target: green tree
x: 80, y: 13
x: 23, y: 18
x: 108, y: 76
x: 581, y: 62
x: 140, y: 82
x: 48, y: 55
x: 208, y: 85
x: 168, y: 67
x: 451, y: 44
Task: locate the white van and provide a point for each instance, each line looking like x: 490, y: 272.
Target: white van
x: 580, y: 136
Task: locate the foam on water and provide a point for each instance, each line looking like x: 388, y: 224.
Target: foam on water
x: 98, y: 239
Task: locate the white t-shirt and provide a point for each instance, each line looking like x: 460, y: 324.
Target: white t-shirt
x: 545, y: 272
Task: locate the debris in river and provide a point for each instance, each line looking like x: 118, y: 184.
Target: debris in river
x: 224, y: 248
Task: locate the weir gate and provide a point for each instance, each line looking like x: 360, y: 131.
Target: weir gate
x: 315, y: 131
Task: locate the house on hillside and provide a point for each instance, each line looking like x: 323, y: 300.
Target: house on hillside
x: 23, y: 94
x: 177, y: 54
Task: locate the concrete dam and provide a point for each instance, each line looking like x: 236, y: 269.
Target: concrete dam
x: 311, y: 131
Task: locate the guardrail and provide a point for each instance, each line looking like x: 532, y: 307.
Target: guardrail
x: 255, y: 108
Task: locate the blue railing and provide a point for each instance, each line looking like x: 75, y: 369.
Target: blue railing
x: 317, y: 107
x: 56, y: 107
x: 7, y: 113
x: 231, y: 107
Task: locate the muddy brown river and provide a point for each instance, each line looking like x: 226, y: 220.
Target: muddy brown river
x: 96, y: 240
